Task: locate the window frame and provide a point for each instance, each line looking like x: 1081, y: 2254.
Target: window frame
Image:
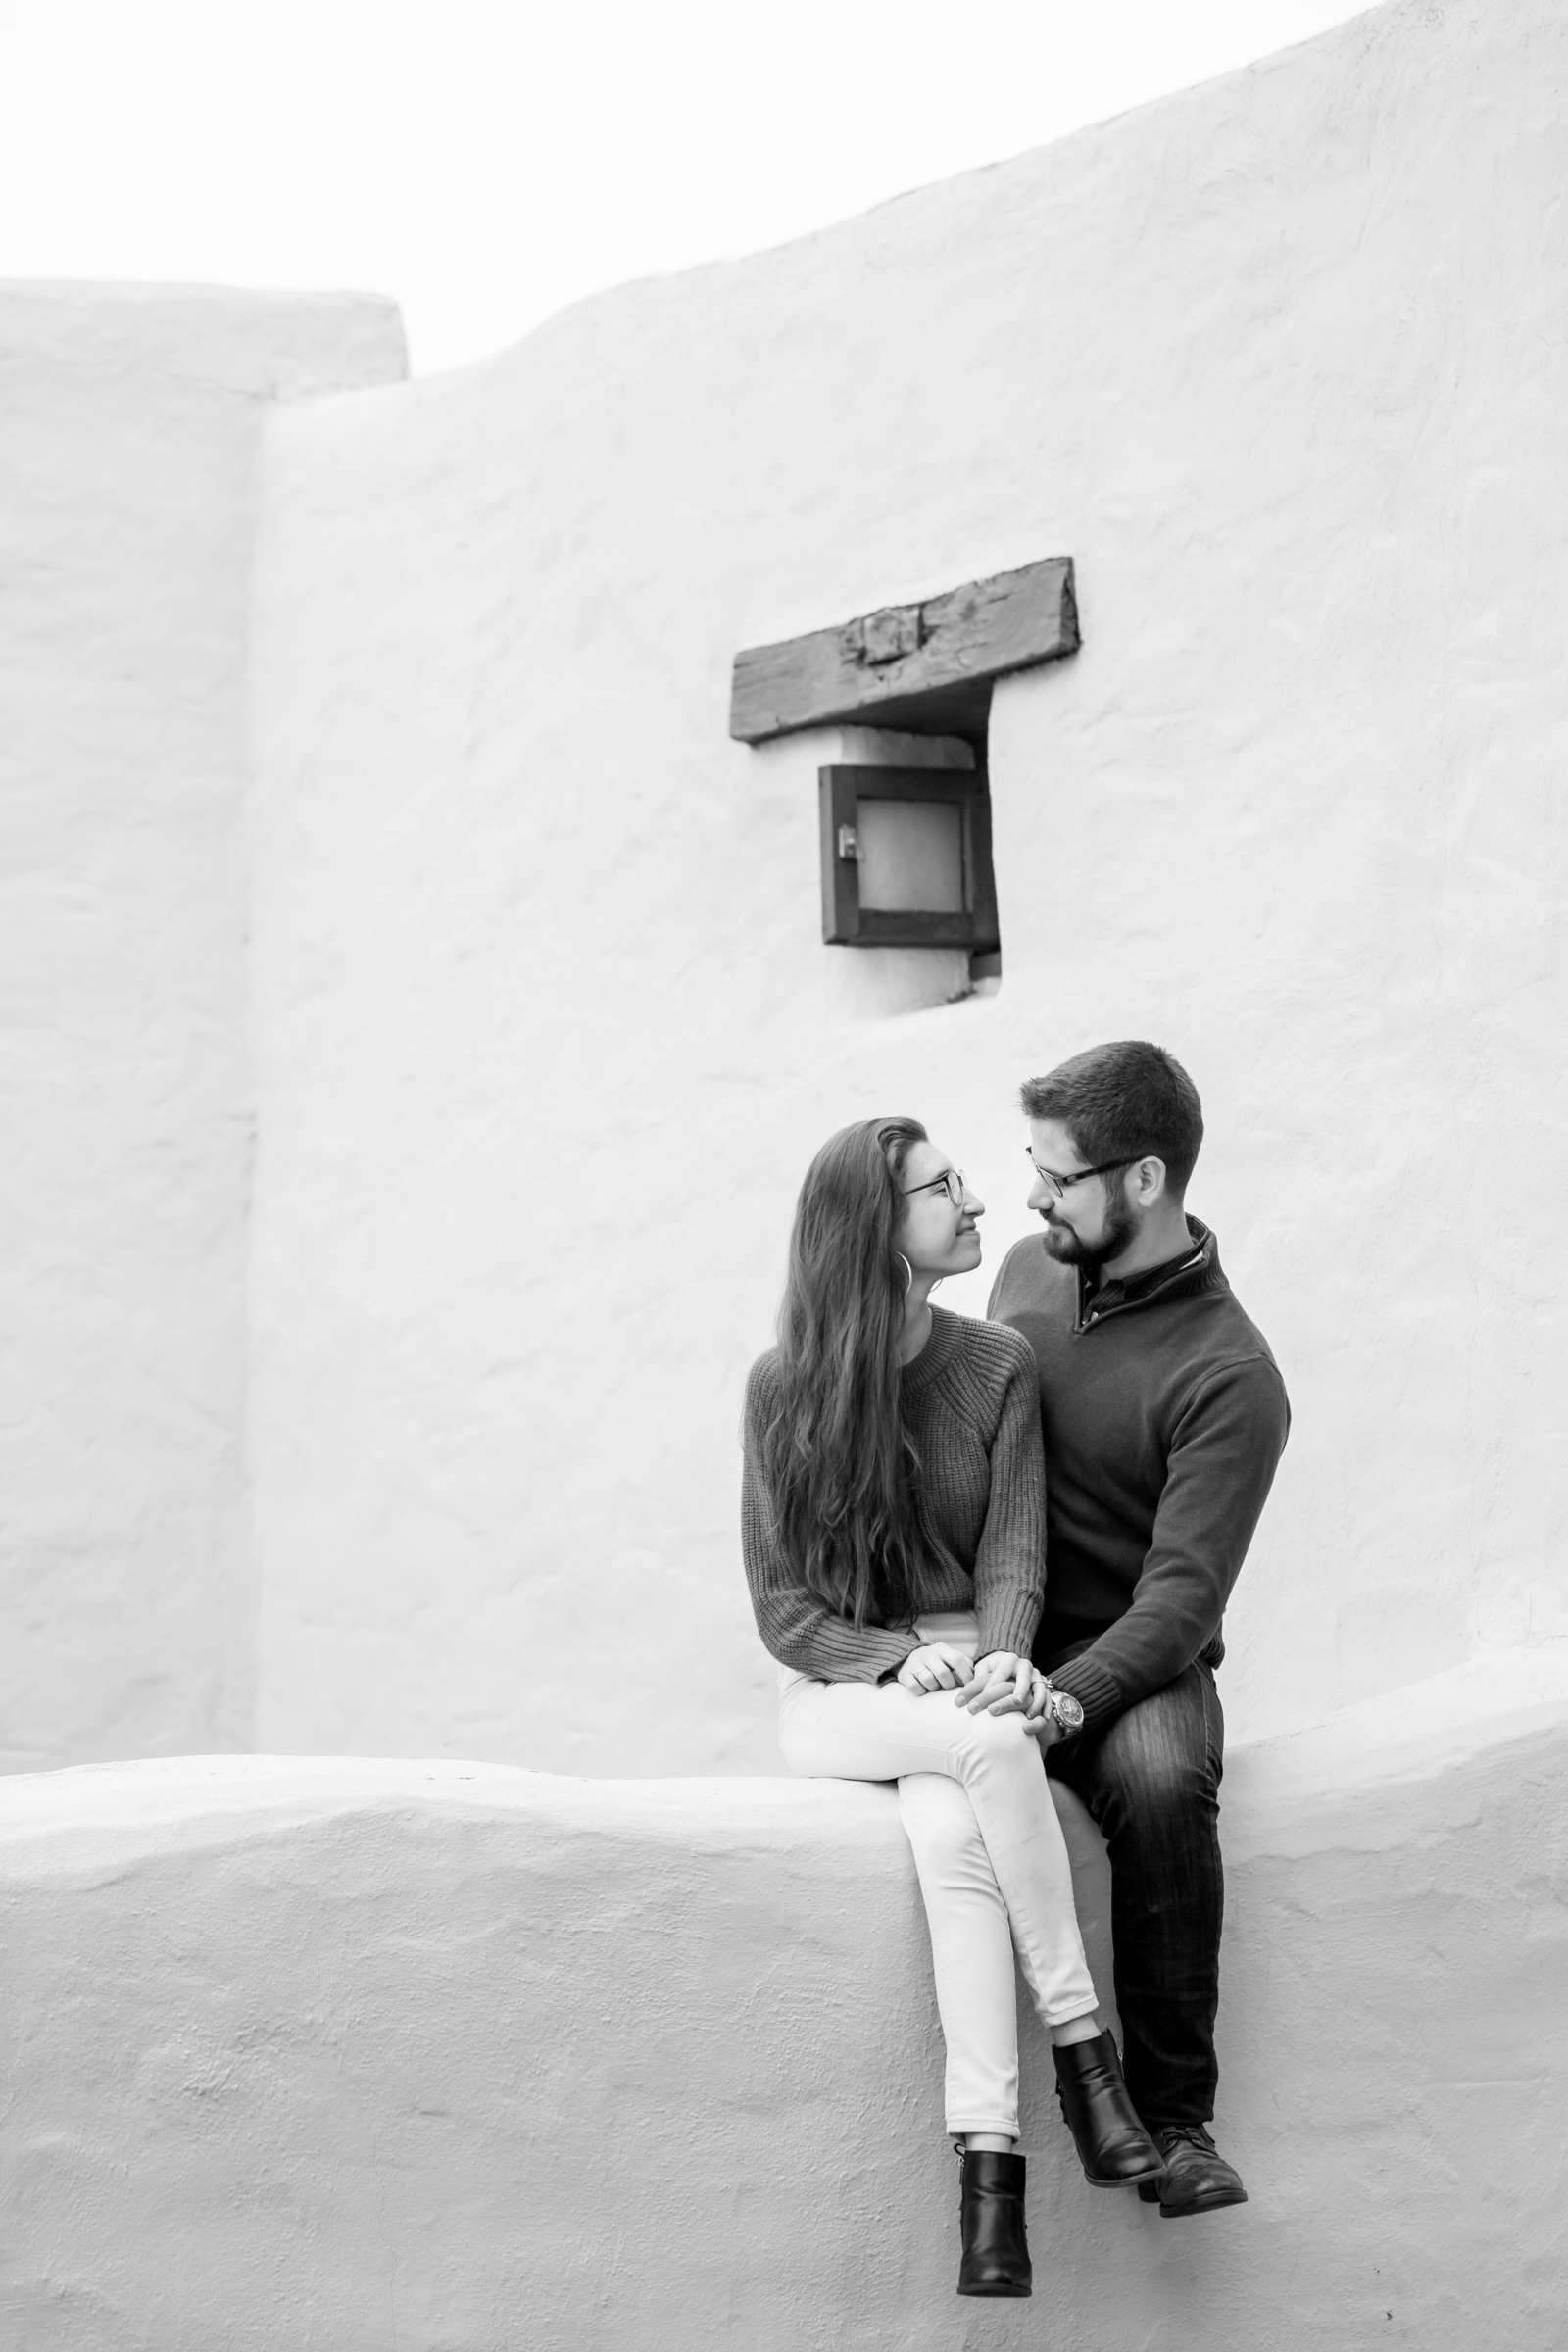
x: 845, y: 924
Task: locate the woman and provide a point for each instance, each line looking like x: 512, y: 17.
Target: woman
x: 894, y: 1512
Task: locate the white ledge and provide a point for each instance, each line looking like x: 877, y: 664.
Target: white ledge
x: 354, y: 2053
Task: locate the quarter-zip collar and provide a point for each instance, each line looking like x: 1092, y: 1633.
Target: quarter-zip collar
x: 1198, y: 1269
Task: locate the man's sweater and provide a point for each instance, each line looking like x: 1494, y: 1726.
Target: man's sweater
x: 1165, y: 1417
x: 969, y: 1404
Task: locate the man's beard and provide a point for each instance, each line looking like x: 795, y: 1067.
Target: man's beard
x: 1121, y: 1226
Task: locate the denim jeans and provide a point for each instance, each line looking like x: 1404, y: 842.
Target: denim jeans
x: 1150, y: 1780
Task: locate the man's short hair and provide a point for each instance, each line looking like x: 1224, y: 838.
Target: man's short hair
x: 1121, y: 1101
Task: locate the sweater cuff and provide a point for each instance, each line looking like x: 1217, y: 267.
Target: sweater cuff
x: 1007, y: 1621
x: 886, y: 1658
x: 889, y: 1672
x: 1093, y: 1688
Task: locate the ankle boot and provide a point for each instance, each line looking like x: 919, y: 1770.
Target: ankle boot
x: 1196, y: 2177
x: 996, y: 2253
x: 1112, y: 2145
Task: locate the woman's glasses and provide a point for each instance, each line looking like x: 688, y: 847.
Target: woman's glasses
x: 951, y: 1182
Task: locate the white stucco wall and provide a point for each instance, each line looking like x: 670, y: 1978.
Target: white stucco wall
x: 545, y: 1031
x: 345, y: 2054
x: 128, y: 421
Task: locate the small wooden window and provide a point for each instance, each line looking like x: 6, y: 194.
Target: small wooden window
x: 907, y: 858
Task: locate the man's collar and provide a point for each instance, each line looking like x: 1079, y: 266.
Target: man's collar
x: 1133, y: 1290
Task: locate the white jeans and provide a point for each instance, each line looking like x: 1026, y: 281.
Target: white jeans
x: 1009, y: 1885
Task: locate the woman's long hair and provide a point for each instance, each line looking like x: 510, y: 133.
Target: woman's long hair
x: 841, y: 1472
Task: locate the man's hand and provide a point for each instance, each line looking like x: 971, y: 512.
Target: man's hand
x: 938, y: 1666
x: 1003, y: 1683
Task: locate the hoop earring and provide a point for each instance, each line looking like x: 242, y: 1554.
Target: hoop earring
x: 908, y: 1272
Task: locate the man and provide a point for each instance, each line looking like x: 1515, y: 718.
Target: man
x: 1165, y: 1416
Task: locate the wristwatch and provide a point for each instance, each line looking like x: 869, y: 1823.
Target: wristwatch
x: 1067, y: 1710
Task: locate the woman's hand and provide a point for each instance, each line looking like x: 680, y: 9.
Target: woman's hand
x: 1003, y: 1683
x: 938, y: 1666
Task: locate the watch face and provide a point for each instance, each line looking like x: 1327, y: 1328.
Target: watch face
x: 1070, y: 1714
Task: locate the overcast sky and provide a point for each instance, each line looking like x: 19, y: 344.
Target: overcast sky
x: 487, y: 161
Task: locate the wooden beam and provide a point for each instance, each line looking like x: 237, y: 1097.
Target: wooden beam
x: 962, y: 640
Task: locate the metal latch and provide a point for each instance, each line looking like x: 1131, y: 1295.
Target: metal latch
x: 848, y: 845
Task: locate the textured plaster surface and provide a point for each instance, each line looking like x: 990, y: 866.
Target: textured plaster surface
x: 545, y: 1030
x: 128, y: 422
x: 331, y: 2056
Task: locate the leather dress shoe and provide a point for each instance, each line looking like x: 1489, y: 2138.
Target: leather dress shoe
x: 1112, y: 2145
x: 1197, y: 2179
x: 996, y: 2253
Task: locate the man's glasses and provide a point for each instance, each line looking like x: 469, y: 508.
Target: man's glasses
x: 951, y: 1182
x: 1059, y: 1185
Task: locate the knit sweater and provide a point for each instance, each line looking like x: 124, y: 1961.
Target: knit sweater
x: 1165, y: 1417
x: 969, y: 1403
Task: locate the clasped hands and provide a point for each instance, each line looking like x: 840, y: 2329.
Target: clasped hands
x: 999, y: 1684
